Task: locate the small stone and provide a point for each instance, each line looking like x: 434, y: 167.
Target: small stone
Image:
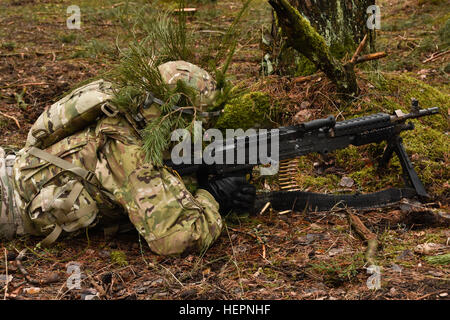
x: 346, y: 182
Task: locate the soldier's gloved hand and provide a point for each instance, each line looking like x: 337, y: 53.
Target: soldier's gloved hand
x: 232, y: 193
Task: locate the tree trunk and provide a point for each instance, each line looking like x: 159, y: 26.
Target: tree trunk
x: 343, y: 23
x: 300, y: 35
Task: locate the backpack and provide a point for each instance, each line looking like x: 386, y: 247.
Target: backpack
x: 72, y: 113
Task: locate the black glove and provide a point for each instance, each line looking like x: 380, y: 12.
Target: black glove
x: 232, y: 193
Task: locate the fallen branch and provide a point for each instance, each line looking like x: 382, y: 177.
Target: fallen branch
x: 366, y: 235
x: 372, y: 56
x: 434, y: 56
x: 11, y: 117
x: 308, y: 78
x: 359, y: 49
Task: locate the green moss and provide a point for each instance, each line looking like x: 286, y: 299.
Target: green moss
x: 405, y: 87
x: 9, y: 45
x: 319, y: 183
x: 251, y: 110
x: 370, y: 180
x: 350, y: 157
x: 304, y: 66
x: 341, y: 48
x: 338, y: 271
x: 308, y: 179
x: 427, y: 143
x: 118, y: 257
x: 442, y: 259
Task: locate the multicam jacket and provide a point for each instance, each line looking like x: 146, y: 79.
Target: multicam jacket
x: 103, y: 178
x: 83, y: 165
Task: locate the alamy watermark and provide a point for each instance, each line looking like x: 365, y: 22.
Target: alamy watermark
x: 74, y: 279
x: 74, y: 20
x: 239, y: 147
x: 374, y: 20
x: 374, y: 281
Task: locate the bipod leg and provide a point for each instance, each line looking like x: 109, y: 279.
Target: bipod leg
x: 408, y: 168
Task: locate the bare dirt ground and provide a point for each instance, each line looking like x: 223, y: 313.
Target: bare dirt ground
x: 271, y: 256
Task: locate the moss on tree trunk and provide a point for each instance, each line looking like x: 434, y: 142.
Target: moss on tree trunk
x: 300, y: 35
x: 341, y: 22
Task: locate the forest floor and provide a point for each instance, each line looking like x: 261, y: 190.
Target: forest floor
x: 295, y: 255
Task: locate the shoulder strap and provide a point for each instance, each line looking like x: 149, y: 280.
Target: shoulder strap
x: 63, y: 164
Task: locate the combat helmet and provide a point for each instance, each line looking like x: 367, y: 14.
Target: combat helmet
x: 193, y: 77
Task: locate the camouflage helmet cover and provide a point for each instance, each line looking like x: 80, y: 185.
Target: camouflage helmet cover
x: 193, y: 76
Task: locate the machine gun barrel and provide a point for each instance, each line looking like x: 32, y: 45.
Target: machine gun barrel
x: 400, y: 116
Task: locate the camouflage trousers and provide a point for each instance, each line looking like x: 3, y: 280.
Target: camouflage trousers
x: 100, y: 178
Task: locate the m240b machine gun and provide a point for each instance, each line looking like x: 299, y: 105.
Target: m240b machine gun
x: 324, y: 136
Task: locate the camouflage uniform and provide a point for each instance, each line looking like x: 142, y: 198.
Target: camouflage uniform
x: 99, y: 175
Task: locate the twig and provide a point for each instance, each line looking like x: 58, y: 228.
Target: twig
x: 22, y: 269
x: 25, y: 273
x: 11, y: 117
x: 25, y: 84
x: 366, y: 235
x: 99, y: 289
x: 359, y: 49
x: 372, y: 56
x: 430, y: 294
x: 308, y: 78
x: 434, y: 56
x: 234, y: 261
